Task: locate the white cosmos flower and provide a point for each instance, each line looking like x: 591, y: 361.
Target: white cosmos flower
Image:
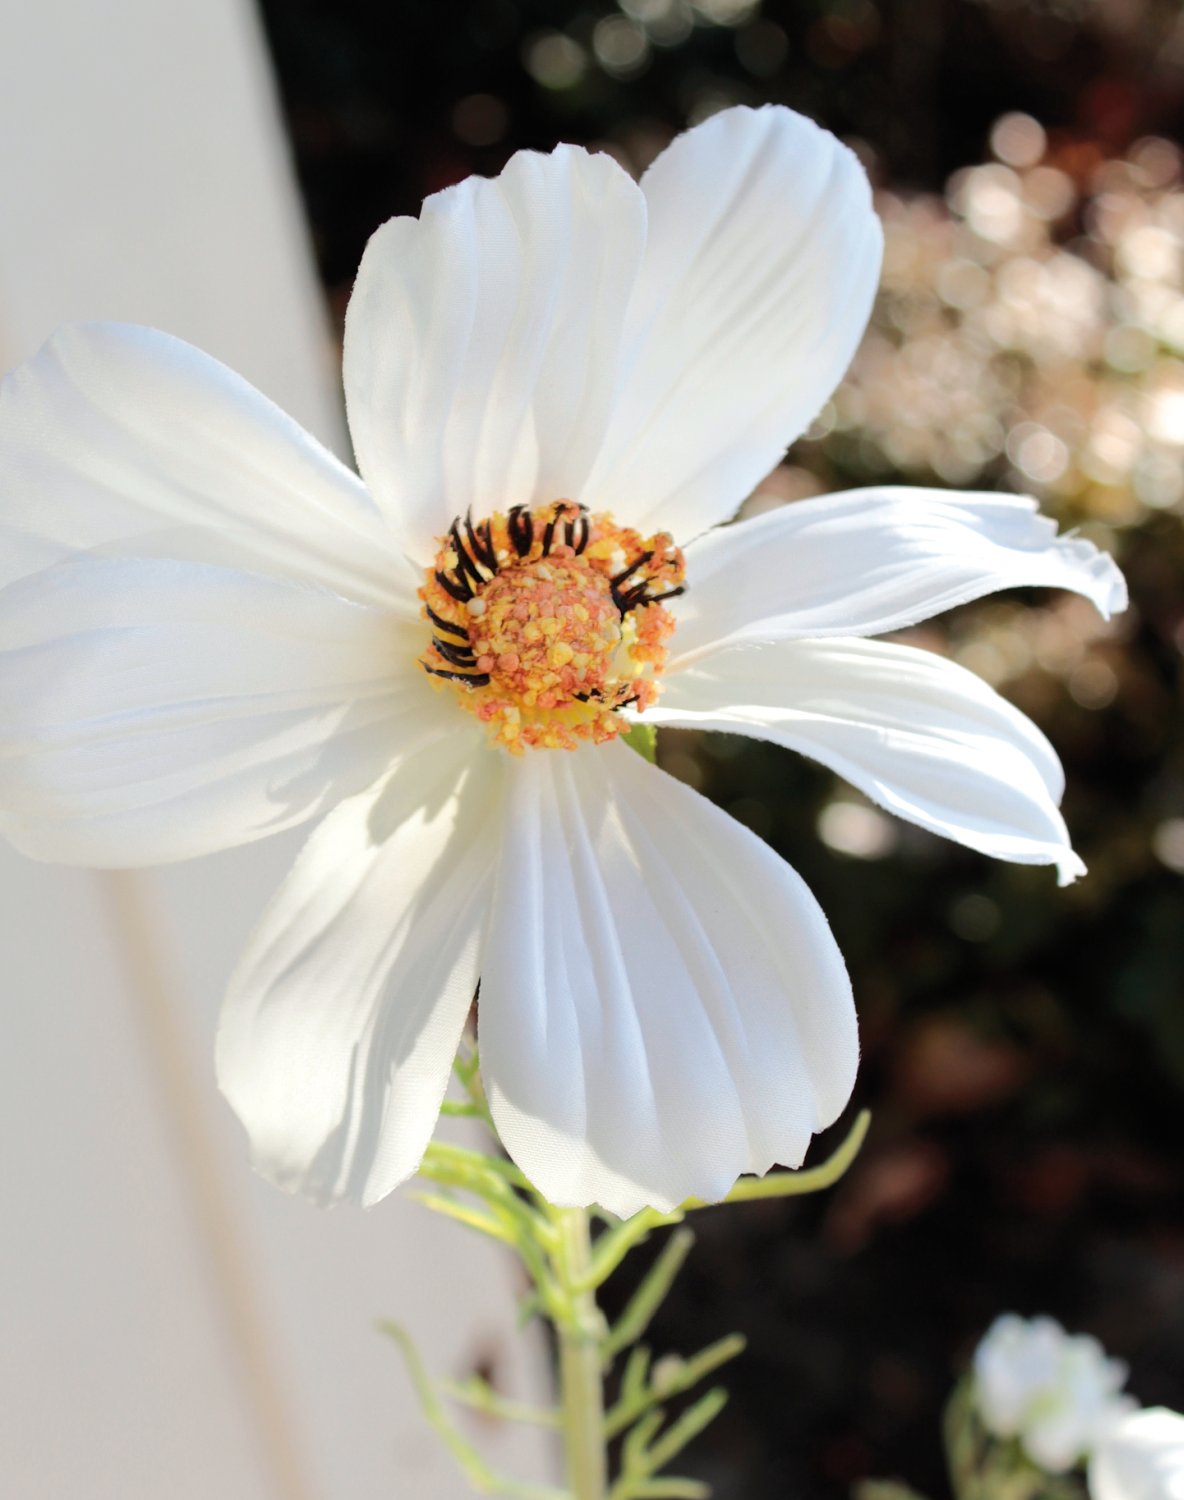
x: 212, y: 632
x: 1140, y: 1457
x: 1056, y: 1392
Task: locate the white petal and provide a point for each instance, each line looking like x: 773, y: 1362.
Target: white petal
x: 919, y: 735
x: 482, y: 339
x: 154, y: 710
x: 1140, y: 1457
x: 869, y: 561
x: 126, y: 442
x: 342, y: 1020
x: 663, y: 1006
x: 760, y: 270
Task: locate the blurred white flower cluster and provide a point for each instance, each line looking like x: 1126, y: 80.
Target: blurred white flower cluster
x: 1056, y: 1392
x: 1061, y: 1396
x: 1043, y: 1416
x: 1140, y: 1458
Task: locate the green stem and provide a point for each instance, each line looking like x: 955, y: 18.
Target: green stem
x: 488, y: 1193
x: 579, y: 1335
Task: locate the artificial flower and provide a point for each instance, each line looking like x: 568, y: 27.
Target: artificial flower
x: 559, y: 383
x: 1055, y: 1392
x: 1140, y: 1457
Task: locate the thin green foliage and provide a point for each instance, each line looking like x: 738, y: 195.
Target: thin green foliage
x: 485, y: 1481
x: 565, y: 1269
x: 650, y: 1295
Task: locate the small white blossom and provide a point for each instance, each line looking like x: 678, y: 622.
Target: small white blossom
x: 1056, y: 1392
x: 1140, y: 1457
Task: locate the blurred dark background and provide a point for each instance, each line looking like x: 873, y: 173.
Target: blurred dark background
x: 1024, y: 1046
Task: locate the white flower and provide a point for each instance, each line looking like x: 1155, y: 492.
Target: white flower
x: 1054, y: 1391
x: 213, y: 632
x: 1140, y: 1457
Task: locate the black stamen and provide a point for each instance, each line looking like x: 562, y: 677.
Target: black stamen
x: 459, y: 656
x: 477, y: 679
x: 577, y: 530
x: 620, y: 578
x: 446, y: 625
x: 465, y: 564
x: 521, y: 529
x: 630, y: 599
x: 549, y: 534
x: 480, y: 544
x: 669, y: 594
x: 458, y: 588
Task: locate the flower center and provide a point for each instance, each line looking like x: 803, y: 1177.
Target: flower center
x: 547, y: 622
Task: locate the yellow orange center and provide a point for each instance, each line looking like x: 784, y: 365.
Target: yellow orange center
x: 546, y: 623
x: 548, y: 631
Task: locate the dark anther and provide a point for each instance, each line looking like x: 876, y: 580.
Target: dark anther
x: 669, y: 594
x: 475, y: 679
x: 631, y: 598
x: 640, y: 562
x: 465, y: 564
x: 459, y: 656
x: 458, y: 588
x: 521, y: 528
x: 549, y: 534
x: 577, y: 531
x: 625, y: 702
x: 446, y: 625
x: 480, y: 544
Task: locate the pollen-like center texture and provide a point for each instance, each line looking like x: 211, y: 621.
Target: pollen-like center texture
x: 547, y: 622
